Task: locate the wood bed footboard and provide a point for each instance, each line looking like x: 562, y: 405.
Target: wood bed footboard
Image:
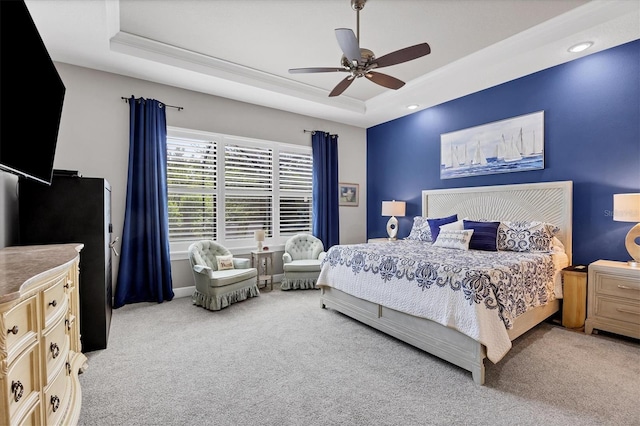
x: 444, y: 342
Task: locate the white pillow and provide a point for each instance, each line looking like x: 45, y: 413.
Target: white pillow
x: 224, y: 262
x: 454, y: 226
x: 453, y: 238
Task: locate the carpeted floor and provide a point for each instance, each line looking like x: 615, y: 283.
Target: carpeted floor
x: 279, y: 359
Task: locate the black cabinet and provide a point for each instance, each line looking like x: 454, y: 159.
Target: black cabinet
x: 75, y: 209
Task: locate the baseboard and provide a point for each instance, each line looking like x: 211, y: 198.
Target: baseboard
x: 188, y: 291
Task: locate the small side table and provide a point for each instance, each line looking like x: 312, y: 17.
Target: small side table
x: 265, y: 271
x: 574, y: 293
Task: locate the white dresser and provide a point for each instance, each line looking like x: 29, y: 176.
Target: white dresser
x: 40, y: 349
x: 614, y: 298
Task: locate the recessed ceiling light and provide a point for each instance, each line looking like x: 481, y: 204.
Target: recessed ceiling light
x: 412, y: 106
x: 580, y: 47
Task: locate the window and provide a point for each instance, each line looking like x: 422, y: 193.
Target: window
x: 225, y: 187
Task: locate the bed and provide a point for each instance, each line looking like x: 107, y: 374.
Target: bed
x: 411, y: 289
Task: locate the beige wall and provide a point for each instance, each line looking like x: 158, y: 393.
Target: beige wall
x: 94, y: 139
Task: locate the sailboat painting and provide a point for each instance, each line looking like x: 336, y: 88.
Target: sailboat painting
x: 512, y: 145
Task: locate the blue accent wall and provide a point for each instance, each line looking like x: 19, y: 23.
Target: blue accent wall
x: 592, y: 137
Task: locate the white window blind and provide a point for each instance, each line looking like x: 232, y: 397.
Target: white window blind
x: 295, y: 182
x: 248, y: 188
x: 191, y: 180
x: 259, y: 184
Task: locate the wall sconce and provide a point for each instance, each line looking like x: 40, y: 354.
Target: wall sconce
x: 393, y: 208
x: 259, y: 237
x: 626, y: 208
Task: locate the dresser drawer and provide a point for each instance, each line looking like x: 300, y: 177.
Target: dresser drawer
x: 618, y: 309
x: 20, y: 327
x: 57, y: 397
x: 627, y: 288
x: 55, y: 349
x: 23, y: 382
x: 55, y: 301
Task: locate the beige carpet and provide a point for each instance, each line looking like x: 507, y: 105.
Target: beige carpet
x: 279, y: 359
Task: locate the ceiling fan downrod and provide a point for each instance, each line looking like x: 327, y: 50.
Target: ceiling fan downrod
x: 358, y: 5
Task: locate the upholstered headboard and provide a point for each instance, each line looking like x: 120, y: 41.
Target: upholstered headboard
x: 546, y: 201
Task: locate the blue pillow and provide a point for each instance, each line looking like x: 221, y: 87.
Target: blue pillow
x: 434, y: 224
x: 485, y: 235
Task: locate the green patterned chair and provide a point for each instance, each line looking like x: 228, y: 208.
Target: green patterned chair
x: 220, y: 278
x: 303, y: 255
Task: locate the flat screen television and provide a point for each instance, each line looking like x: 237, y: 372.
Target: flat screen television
x: 31, y: 96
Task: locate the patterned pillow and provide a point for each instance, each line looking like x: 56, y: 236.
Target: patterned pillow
x: 454, y: 239
x: 420, y: 230
x: 435, y: 224
x: 526, y: 236
x: 224, y: 262
x: 485, y: 235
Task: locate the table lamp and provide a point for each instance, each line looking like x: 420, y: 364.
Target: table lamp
x: 393, y: 208
x: 626, y: 208
x: 259, y: 237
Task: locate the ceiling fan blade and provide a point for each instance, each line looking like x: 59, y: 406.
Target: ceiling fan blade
x: 384, y: 80
x: 348, y: 43
x: 342, y: 86
x: 403, y: 55
x: 317, y: 69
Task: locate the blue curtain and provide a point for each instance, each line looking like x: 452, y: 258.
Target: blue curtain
x: 326, y: 199
x: 145, y: 268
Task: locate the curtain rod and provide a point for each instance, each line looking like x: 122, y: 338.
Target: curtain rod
x: 313, y: 132
x: 179, y: 108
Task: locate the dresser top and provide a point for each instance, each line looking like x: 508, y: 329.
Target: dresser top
x: 20, y: 265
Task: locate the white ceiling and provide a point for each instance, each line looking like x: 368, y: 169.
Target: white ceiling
x: 242, y: 49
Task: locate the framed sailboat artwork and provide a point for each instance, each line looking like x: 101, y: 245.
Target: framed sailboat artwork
x: 512, y: 145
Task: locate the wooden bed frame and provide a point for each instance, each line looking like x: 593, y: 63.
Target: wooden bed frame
x: 549, y: 202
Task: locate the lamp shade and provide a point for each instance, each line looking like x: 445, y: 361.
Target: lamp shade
x: 393, y: 208
x: 626, y: 207
x: 259, y: 235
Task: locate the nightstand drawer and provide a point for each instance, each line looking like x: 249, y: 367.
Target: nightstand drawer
x: 618, y: 286
x: 617, y: 309
x: 22, y: 383
x: 55, y: 301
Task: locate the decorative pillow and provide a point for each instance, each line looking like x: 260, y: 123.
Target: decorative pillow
x: 453, y: 238
x: 435, y: 224
x: 458, y: 225
x: 420, y: 230
x: 224, y: 262
x: 485, y: 235
x: 526, y: 236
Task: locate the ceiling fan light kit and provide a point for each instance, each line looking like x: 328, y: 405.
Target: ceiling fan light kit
x: 360, y: 62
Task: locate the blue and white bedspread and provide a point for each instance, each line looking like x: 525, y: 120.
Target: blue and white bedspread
x: 478, y: 293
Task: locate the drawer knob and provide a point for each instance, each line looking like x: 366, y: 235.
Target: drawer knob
x: 53, y: 303
x: 68, y: 365
x: 13, y: 330
x: 68, y: 324
x: 67, y: 284
x: 55, y: 403
x: 55, y: 350
x: 17, y: 389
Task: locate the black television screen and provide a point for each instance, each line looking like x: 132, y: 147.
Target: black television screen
x: 31, y: 96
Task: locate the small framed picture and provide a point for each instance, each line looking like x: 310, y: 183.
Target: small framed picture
x: 349, y: 194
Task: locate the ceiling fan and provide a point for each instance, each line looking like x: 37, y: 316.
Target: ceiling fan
x: 360, y: 62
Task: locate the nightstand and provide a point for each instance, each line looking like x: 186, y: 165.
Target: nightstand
x: 574, y: 296
x: 614, y: 298
x: 265, y: 269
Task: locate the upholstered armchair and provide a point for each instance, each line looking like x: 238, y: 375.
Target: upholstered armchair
x: 220, y: 278
x: 303, y: 255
